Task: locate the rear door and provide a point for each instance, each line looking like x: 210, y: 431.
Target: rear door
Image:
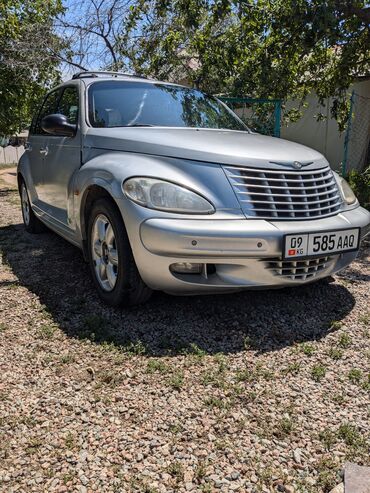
x: 62, y: 160
x: 36, y: 148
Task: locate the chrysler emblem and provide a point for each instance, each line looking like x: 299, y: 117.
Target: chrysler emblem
x: 295, y: 164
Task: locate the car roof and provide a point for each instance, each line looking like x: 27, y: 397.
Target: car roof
x: 92, y: 77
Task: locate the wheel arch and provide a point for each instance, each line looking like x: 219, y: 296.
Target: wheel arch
x: 23, y: 171
x: 92, y: 193
x: 20, y: 179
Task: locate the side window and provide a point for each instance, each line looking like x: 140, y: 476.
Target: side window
x: 33, y: 123
x: 68, y: 104
x: 49, y: 107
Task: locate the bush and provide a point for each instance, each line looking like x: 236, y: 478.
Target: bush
x: 360, y: 184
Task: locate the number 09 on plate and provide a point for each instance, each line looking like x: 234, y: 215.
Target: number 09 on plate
x: 327, y: 242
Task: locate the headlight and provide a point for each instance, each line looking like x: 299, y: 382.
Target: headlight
x: 165, y: 196
x: 348, y: 195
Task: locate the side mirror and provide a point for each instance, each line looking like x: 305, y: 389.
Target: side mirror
x: 58, y: 125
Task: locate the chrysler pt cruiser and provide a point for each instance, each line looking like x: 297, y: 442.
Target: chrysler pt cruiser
x: 163, y: 187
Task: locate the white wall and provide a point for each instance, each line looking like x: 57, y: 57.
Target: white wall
x: 310, y: 132
x: 9, y: 154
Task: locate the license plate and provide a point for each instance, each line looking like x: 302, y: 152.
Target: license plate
x: 327, y: 242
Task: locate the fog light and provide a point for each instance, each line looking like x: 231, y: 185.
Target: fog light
x: 186, y: 268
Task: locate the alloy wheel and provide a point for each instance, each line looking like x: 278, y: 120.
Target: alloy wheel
x: 104, y: 252
x: 25, y: 205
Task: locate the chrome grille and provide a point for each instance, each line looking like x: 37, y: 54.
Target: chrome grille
x: 298, y: 270
x: 285, y: 194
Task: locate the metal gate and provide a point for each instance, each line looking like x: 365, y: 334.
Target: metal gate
x: 261, y: 115
x: 357, y: 139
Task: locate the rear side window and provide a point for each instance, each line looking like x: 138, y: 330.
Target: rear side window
x: 68, y: 104
x: 48, y: 107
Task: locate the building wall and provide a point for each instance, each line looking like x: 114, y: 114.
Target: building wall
x: 310, y: 132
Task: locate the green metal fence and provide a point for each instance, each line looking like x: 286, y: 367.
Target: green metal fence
x: 261, y: 115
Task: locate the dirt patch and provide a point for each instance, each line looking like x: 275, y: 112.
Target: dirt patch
x: 9, y: 176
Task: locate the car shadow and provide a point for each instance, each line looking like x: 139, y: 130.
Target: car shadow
x: 264, y: 320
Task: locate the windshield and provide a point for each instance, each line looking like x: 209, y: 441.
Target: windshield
x: 127, y: 104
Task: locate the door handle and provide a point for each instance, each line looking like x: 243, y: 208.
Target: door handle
x: 44, y: 150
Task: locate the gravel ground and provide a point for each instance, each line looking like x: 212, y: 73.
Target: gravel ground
x: 251, y: 392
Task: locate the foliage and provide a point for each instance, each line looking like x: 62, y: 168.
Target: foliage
x: 28, y: 61
x: 360, y: 184
x: 267, y: 49
x: 261, y: 49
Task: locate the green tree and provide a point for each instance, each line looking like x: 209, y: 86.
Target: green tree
x: 262, y: 48
x: 28, y: 58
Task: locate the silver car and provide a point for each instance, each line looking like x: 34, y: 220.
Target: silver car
x: 164, y: 188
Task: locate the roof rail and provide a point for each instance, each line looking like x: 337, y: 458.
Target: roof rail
x: 92, y: 73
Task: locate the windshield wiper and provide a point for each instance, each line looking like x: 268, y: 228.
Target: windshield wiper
x: 139, y: 125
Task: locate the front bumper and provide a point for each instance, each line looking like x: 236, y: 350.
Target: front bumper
x: 243, y: 253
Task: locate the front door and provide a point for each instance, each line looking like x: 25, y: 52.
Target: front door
x: 62, y: 160
x: 36, y: 149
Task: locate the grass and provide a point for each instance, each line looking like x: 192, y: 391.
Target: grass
x: 328, y: 474
x: 46, y: 331
x: 355, y: 375
x: 201, y: 470
x: 135, y: 348
x: 318, y: 372
x: 7, y: 165
x: 247, y: 343
x: 176, y: 380
x: 67, y: 358
x: 217, y: 403
x: 338, y: 398
x: 101, y: 330
x: 344, y: 341
x: 214, y: 378
x: 283, y: 428
x: 351, y: 436
x: 176, y: 470
x: 328, y: 438
x: 221, y: 362
x: 222, y: 444
x: 336, y: 324
x: 3, y: 327
x: 335, y: 353
x: 195, y: 350
x: 206, y: 488
x: 364, y: 318
x: 70, y: 441
x: 176, y: 428
x: 157, y: 366
x: 366, y: 383
x: 307, y: 349
x: 255, y: 374
x: 33, y: 446
x: 68, y: 477
x: 292, y: 368
x: 111, y: 378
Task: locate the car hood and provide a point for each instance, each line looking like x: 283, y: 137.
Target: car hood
x: 207, y: 145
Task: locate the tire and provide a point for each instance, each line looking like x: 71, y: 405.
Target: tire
x: 31, y: 222
x: 110, y: 257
